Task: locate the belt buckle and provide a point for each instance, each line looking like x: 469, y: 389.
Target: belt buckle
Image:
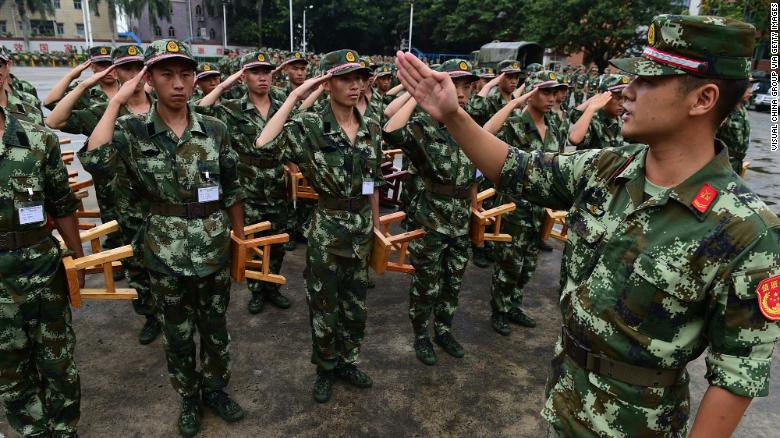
x: 194, y: 210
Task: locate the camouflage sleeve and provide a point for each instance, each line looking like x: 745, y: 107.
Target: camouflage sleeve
x: 479, y: 109
x: 741, y: 338
x: 60, y: 200
x: 286, y: 142
x: 102, y: 161
x: 411, y: 139
x: 546, y: 179
x: 232, y: 192
x: 376, y: 141
x: 70, y: 88
x: 84, y: 121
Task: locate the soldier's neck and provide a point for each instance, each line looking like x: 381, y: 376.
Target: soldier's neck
x: 176, y: 119
x: 675, y: 157
x: 344, y: 115
x: 3, y: 98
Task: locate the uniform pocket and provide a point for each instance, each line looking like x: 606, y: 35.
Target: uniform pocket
x: 26, y: 189
x: 582, y: 247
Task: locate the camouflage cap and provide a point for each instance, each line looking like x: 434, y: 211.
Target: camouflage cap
x: 534, y: 67
x: 458, y: 68
x: 206, y: 69
x: 543, y: 79
x: 256, y: 59
x: 509, y: 66
x: 485, y: 73
x: 5, y: 55
x: 614, y: 82
x: 704, y: 46
x: 161, y: 50
x: 342, y: 62
x: 295, y: 57
x: 100, y: 54
x: 365, y: 61
x: 127, y: 53
x: 384, y: 70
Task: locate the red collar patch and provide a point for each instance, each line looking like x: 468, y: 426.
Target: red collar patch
x: 769, y: 297
x: 704, y: 198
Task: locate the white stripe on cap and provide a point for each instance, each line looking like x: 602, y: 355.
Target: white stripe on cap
x: 156, y: 58
x: 257, y: 64
x: 541, y: 84
x: 673, y: 60
x: 341, y: 67
x: 129, y: 58
x: 617, y: 87
x: 206, y: 73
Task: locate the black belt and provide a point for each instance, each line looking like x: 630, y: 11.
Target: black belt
x: 352, y: 205
x: 13, y: 240
x: 191, y: 210
x: 605, y: 366
x: 264, y: 163
x: 450, y: 190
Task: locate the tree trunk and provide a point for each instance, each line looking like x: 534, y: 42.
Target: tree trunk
x: 260, y: 23
x: 25, y: 24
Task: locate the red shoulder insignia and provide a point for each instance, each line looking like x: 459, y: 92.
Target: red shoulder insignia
x: 704, y: 198
x: 769, y: 297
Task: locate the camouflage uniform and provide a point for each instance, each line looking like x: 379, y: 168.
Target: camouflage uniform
x: 19, y: 104
x: 653, y: 276
x: 188, y: 257
x: 481, y: 109
x: 580, y: 79
x: 340, y: 236
x: 20, y: 84
x: 95, y: 94
x: 39, y: 383
x: 261, y: 174
x: 443, y: 209
x: 603, y: 131
x: 516, y: 260
x: 735, y: 133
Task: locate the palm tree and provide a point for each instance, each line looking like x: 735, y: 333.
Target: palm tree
x: 28, y: 7
x: 155, y: 8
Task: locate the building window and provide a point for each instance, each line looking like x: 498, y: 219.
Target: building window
x: 57, y: 4
x: 42, y: 27
x: 76, y: 4
x: 171, y: 32
x: 3, y: 28
x: 212, y: 34
x: 60, y: 28
x: 198, y: 11
x: 80, y: 29
x: 157, y: 31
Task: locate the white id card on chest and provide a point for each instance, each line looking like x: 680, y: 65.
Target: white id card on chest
x: 368, y: 186
x: 208, y: 193
x: 30, y: 213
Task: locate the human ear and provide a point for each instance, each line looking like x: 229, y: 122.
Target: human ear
x: 704, y: 99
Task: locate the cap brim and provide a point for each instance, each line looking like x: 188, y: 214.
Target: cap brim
x: 129, y: 59
x: 256, y: 64
x: 462, y: 74
x: 101, y: 58
x: 290, y: 61
x: 352, y: 69
x: 641, y: 66
x: 511, y: 70
x: 206, y: 74
x: 166, y: 56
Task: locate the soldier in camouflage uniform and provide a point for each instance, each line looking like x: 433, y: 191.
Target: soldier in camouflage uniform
x: 734, y: 132
x: 657, y: 271
x: 207, y: 77
x: 39, y: 382
x: 295, y: 68
x: 99, y: 60
x: 261, y: 170
x: 443, y: 210
x: 533, y: 130
x: 339, y: 153
x: 598, y: 119
x: 488, y: 101
x: 127, y: 206
x: 580, y: 80
x: 188, y: 171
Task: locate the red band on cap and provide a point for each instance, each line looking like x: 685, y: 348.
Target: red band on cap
x: 341, y: 67
x: 674, y: 60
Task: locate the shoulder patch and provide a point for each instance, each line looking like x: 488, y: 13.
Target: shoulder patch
x: 768, y: 292
x: 704, y: 198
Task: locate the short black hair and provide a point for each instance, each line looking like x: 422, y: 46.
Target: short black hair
x: 731, y: 92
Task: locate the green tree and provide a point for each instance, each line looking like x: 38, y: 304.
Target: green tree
x: 602, y: 30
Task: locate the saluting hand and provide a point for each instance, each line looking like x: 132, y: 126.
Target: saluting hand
x: 79, y: 69
x: 519, y: 91
x: 309, y: 85
x: 128, y: 88
x: 600, y: 100
x: 95, y: 78
x: 434, y: 91
x: 231, y: 80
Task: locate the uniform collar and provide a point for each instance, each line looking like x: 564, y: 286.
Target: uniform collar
x: 155, y: 125
x: 331, y: 126
x: 247, y: 105
x: 716, y: 174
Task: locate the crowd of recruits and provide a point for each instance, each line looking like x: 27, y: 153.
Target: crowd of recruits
x: 189, y: 177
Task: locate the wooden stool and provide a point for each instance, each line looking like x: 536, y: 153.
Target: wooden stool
x: 244, y: 264
x: 98, y: 262
x: 481, y: 219
x: 555, y: 225
x: 385, y: 244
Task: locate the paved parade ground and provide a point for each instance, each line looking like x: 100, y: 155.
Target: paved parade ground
x: 496, y: 390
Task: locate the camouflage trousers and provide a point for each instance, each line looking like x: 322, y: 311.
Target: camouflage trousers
x: 104, y: 192
x: 300, y: 219
x: 185, y: 304
x: 336, y: 294
x: 136, y: 274
x: 279, y: 224
x: 39, y: 382
x: 515, y: 264
x: 439, y: 262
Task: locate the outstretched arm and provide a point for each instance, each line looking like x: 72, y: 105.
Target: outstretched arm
x: 275, y: 125
x: 213, y: 97
x: 435, y: 93
x: 104, y: 131
x: 58, y: 117
x: 580, y: 129
x: 497, y: 121
x: 61, y: 86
